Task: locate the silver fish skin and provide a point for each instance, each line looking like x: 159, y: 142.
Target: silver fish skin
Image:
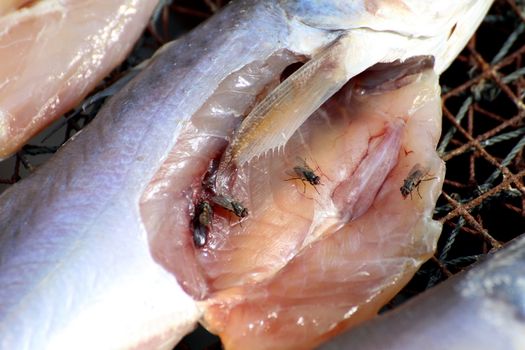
x: 482, y: 308
x: 75, y: 266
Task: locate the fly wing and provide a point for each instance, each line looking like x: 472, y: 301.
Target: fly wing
x: 419, y: 169
x: 223, y: 202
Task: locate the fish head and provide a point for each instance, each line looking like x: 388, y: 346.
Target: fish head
x: 440, y: 28
x: 344, y: 39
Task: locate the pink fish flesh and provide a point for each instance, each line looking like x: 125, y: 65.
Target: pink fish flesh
x: 53, y: 53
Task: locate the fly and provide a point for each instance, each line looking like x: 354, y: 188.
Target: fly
x: 413, y: 180
x: 306, y: 174
x: 231, y: 205
x: 201, y: 223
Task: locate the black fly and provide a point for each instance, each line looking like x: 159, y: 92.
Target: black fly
x: 201, y: 223
x: 231, y: 205
x: 413, y: 180
x: 305, y: 173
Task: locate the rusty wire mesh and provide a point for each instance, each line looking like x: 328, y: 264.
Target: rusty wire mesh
x: 482, y: 205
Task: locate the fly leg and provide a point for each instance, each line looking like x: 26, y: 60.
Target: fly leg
x: 417, y: 187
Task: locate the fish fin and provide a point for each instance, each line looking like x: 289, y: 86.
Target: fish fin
x: 274, y: 120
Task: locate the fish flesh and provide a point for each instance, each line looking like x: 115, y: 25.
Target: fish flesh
x: 54, y: 53
x: 96, y: 248
x: 331, y: 259
x: 482, y: 308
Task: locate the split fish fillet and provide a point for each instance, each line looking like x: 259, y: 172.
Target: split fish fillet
x: 306, y: 265
x: 97, y: 250
x: 52, y: 55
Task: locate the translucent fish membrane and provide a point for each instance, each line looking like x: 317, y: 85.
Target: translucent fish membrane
x: 309, y: 259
